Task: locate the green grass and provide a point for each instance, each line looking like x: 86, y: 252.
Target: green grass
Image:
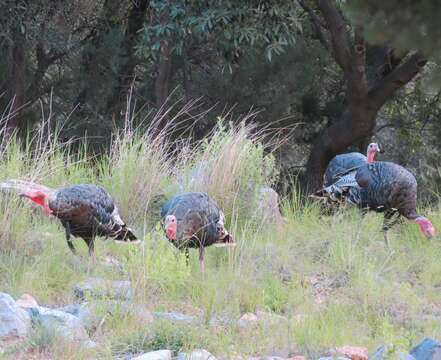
x: 331, y: 277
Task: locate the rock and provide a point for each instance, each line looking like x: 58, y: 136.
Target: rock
x: 14, y: 321
x: 66, y: 324
x: 428, y: 349
x: 271, y: 318
x: 199, y: 354
x: 83, y: 313
x: 91, y: 313
x: 175, y: 317
x: 248, y: 319
x: 27, y: 301
x: 262, y: 317
x: 155, y: 355
x: 267, y: 210
x: 354, y: 352
x: 386, y: 351
x: 98, y: 288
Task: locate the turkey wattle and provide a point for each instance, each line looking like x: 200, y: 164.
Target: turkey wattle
x: 383, y: 187
x: 193, y: 220
x: 85, y: 210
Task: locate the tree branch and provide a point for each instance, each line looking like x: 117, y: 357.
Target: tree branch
x: 316, y: 22
x: 341, y: 44
x: 399, y: 77
x: 357, y: 80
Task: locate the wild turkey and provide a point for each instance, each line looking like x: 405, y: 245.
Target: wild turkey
x: 382, y: 187
x: 343, y: 163
x: 85, y: 210
x: 193, y: 220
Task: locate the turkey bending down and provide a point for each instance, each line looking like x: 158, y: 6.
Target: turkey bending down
x: 382, y: 187
x: 193, y: 220
x: 85, y: 211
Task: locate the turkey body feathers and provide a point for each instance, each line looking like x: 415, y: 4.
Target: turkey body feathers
x: 388, y: 185
x: 197, y: 217
x: 88, y: 210
x: 341, y: 164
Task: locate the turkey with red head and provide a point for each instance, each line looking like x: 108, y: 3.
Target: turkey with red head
x: 343, y: 163
x: 85, y: 210
x: 194, y: 220
x: 382, y: 187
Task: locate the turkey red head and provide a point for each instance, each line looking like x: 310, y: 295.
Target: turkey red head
x: 372, y: 151
x: 426, y: 227
x: 39, y: 198
x: 171, y: 227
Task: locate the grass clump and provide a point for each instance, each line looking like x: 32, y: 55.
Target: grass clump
x: 330, y: 277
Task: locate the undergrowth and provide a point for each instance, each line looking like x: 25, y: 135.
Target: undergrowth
x: 331, y: 277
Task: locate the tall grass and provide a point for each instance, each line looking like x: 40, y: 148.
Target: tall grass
x: 331, y: 277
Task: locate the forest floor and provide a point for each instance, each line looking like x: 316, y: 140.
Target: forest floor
x: 304, y: 288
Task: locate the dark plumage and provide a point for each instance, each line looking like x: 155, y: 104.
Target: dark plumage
x: 85, y: 210
x: 193, y: 220
x: 383, y: 187
x: 341, y: 164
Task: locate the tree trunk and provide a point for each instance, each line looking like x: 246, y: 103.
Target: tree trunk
x: 364, y: 97
x: 16, y: 83
x: 126, y: 71
x: 163, y: 78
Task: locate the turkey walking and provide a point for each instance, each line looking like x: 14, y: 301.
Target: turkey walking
x: 193, y: 220
x: 85, y: 211
x: 382, y: 187
x: 343, y: 163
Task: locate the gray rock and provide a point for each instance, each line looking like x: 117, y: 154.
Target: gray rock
x: 199, y: 354
x: 175, y: 317
x: 428, y: 349
x: 65, y: 324
x: 98, y: 288
x: 262, y: 318
x: 155, y: 355
x: 267, y: 210
x: 14, y: 321
x: 386, y: 351
x: 82, y: 312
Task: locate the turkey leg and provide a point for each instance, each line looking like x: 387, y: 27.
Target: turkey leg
x: 202, y: 258
x: 68, y: 239
x: 391, y: 217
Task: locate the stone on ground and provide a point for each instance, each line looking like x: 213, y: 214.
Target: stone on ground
x: 14, y: 321
x: 155, y: 355
x: 98, y: 288
x: 428, y: 349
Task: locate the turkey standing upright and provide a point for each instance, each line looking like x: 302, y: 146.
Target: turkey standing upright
x: 193, y: 220
x: 382, y: 187
x: 343, y: 163
x: 84, y: 210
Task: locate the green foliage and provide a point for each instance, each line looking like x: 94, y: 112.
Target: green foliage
x: 406, y: 24
x: 233, y: 25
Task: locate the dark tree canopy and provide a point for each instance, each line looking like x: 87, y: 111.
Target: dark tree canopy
x: 341, y: 71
